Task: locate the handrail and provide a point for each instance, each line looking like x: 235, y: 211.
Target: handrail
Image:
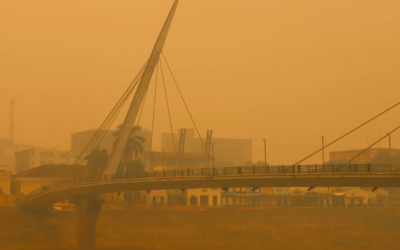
x: 223, y: 171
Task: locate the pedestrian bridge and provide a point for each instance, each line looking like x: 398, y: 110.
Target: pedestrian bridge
x: 354, y: 175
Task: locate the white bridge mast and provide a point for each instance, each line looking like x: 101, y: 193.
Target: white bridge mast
x: 130, y: 118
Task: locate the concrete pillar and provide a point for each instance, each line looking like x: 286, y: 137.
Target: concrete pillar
x: 88, y: 209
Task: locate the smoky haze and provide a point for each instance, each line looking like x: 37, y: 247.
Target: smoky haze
x: 286, y: 71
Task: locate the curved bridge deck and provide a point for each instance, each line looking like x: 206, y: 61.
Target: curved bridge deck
x: 270, y: 176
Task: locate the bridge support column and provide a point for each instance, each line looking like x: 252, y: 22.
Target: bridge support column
x: 88, y: 209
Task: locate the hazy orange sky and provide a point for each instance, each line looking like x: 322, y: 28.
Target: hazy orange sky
x: 286, y: 71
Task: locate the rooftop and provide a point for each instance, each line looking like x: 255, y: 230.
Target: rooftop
x: 53, y: 171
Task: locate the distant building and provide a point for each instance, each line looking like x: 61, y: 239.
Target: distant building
x: 394, y: 196
x: 31, y: 179
x: 268, y: 197
x: 160, y: 161
x: 132, y: 197
x: 154, y: 197
x: 364, y: 158
x: 227, y: 152
x: 34, y: 157
x: 79, y: 140
x: 176, y: 197
x: 202, y: 197
x: 115, y: 197
x: 298, y: 196
x: 265, y: 197
x: 357, y: 197
x: 25, y: 182
x: 241, y: 197
x: 7, y: 151
x: 5, y: 179
x: 323, y: 197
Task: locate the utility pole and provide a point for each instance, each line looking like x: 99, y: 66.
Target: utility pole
x: 323, y: 151
x: 265, y: 151
x: 390, y: 151
x: 163, y: 159
x: 208, y: 148
x: 212, y: 154
x: 181, y: 147
x: 11, y: 129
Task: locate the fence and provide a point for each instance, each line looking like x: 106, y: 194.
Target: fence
x: 245, y: 170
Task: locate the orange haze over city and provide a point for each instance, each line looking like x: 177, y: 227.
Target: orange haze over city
x: 285, y: 71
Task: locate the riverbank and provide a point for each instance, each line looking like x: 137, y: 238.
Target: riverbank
x: 195, y: 229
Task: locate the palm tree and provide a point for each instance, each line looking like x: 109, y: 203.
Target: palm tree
x: 96, y: 161
x: 133, y: 147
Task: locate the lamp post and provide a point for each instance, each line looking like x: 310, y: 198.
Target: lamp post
x: 323, y: 152
x: 390, y: 152
x: 265, y: 151
x: 163, y: 160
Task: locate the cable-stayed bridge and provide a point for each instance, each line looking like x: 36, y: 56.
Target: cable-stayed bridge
x: 86, y: 192
x: 352, y: 175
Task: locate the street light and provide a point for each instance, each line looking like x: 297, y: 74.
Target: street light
x: 323, y: 152
x: 390, y: 152
x: 265, y: 151
x: 163, y: 160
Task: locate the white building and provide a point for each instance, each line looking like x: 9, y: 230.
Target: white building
x: 7, y: 151
x: 35, y: 157
x: 203, y: 197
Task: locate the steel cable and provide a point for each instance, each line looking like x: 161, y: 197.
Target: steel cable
x: 184, y: 102
x: 368, y: 147
x: 104, y: 127
x: 346, y: 134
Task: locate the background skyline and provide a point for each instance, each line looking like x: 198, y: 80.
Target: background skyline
x: 285, y: 71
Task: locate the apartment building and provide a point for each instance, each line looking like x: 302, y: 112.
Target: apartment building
x: 34, y: 157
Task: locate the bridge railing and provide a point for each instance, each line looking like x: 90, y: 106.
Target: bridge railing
x: 222, y: 171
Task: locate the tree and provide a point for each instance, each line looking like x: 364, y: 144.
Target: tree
x: 134, y: 145
x: 97, y: 161
x: 133, y: 167
x: 132, y: 150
